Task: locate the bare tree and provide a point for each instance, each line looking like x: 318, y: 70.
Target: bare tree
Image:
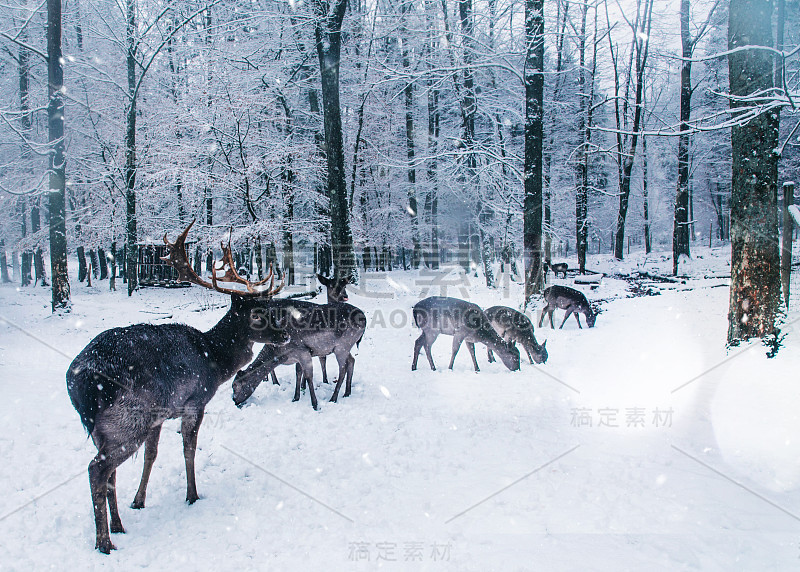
x: 640, y: 28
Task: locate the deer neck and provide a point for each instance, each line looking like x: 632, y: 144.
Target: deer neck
x: 230, y: 343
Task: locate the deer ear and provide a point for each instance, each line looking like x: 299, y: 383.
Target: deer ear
x: 544, y: 345
x: 322, y: 280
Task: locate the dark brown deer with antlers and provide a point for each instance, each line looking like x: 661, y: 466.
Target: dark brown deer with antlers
x: 127, y: 381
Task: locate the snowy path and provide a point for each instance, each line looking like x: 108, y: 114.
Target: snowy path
x: 428, y: 470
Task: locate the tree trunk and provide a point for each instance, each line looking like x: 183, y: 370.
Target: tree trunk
x: 288, y: 240
x: 431, y: 196
x: 25, y: 274
x: 3, y: 263
x: 112, y: 280
x: 81, y: 264
x: 641, y: 50
x: 645, y: 198
x: 408, y: 93
x: 130, y: 150
x: 103, y: 263
x: 755, y: 261
x: 680, y: 232
x: 786, y: 241
x: 38, y: 266
x: 327, y: 31
x: 55, y: 120
x: 582, y: 155
x: 532, y: 174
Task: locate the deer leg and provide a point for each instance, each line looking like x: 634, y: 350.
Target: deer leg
x: 150, y: 453
x: 307, y: 367
x: 542, y: 315
x: 351, y: 363
x: 471, y: 348
x: 578, y: 318
x: 429, y: 339
x: 298, y: 381
x: 274, y: 378
x: 102, y: 467
x: 552, y: 327
x: 489, y: 355
x: 190, y: 425
x: 111, y: 497
x: 457, y: 339
x: 344, y: 366
x: 530, y: 357
x: 322, y: 362
x: 417, y: 347
x: 567, y: 315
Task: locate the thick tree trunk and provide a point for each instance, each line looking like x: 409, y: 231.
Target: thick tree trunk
x: 534, y: 115
x: 55, y: 120
x: 755, y: 261
x: 103, y: 262
x: 82, y: 269
x: 327, y: 31
x: 25, y: 274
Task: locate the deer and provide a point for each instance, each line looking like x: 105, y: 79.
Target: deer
x: 336, y: 288
x: 558, y: 268
x: 466, y: 322
x: 514, y: 326
x: 315, y: 330
x: 569, y: 299
x: 127, y: 381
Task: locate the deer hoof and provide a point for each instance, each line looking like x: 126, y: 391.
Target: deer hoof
x: 117, y: 528
x: 191, y: 499
x: 104, y: 545
x: 137, y: 504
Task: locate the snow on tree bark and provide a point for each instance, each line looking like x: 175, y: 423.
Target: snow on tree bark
x: 755, y: 263
x: 55, y: 115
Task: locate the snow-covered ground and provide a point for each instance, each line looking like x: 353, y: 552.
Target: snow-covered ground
x: 640, y: 443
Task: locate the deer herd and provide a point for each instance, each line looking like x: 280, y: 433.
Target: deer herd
x: 127, y: 381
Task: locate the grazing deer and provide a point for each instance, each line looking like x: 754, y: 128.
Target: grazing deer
x: 336, y: 292
x: 558, y: 268
x: 569, y: 299
x: 315, y: 330
x: 466, y: 322
x: 516, y: 327
x: 127, y: 381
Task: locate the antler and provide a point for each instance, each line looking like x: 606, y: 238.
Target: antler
x: 179, y: 260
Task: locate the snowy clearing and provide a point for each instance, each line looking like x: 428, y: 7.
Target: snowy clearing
x: 641, y: 442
